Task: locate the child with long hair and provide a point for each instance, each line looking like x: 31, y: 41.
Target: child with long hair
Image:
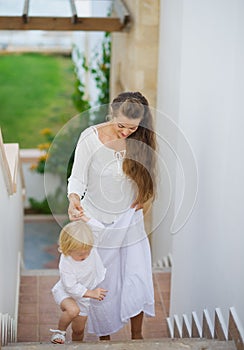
x: 112, y: 179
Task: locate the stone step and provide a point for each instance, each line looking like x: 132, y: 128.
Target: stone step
x: 158, y: 344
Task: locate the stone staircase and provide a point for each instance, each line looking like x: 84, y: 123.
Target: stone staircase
x: 158, y: 344
x: 38, y: 313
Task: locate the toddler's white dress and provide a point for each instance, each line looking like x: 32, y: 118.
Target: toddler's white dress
x: 76, y: 277
x: 107, y: 194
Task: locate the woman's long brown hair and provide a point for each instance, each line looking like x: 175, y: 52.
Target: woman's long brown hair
x: 140, y: 161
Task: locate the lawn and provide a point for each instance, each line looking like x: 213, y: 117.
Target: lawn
x: 35, y: 93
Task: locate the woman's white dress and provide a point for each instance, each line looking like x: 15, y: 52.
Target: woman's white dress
x: 107, y: 194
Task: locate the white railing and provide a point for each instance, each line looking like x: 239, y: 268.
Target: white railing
x: 8, y: 324
x: 216, y: 329
x: 8, y: 332
x: 165, y: 263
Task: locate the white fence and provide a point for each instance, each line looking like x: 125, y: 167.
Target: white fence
x: 8, y: 329
x: 217, y: 328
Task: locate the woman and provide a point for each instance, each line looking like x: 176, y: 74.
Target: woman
x: 112, y: 178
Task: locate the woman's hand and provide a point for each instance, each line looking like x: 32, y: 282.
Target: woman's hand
x: 75, y: 210
x: 137, y: 205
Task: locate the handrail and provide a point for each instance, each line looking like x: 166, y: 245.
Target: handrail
x: 6, y: 170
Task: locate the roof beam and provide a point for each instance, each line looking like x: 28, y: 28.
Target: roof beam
x: 25, y: 11
x: 115, y: 23
x: 122, y: 11
x: 73, y: 10
x: 106, y: 24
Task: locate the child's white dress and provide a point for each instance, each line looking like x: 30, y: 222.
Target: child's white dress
x: 107, y: 194
x: 76, y: 277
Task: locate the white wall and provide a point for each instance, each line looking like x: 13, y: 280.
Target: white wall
x: 167, y: 110
x: 11, y: 238
x: 34, y: 182
x: 201, y: 80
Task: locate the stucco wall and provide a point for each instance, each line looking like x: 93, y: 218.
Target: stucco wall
x: 200, y: 88
x: 135, y: 52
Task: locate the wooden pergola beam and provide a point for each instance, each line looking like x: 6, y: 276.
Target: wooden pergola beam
x: 25, y: 11
x: 115, y: 23
x: 106, y: 24
x: 74, y: 11
x: 122, y: 11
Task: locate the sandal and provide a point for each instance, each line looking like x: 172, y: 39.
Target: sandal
x: 58, y: 337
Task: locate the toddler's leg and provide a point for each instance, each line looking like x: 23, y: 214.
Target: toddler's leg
x: 70, y: 311
x: 78, y: 328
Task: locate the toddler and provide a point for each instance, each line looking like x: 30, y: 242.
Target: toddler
x: 81, y: 270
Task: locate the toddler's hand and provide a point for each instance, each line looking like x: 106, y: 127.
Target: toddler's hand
x: 101, y: 293
x: 98, y: 293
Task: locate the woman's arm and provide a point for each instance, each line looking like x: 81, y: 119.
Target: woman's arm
x: 77, y: 182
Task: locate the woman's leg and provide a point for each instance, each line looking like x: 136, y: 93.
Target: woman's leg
x: 70, y: 311
x: 136, y: 326
x: 78, y: 328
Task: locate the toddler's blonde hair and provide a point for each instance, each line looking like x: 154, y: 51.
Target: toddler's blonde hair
x: 75, y: 235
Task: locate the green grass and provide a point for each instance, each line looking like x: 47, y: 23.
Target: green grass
x: 35, y: 93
